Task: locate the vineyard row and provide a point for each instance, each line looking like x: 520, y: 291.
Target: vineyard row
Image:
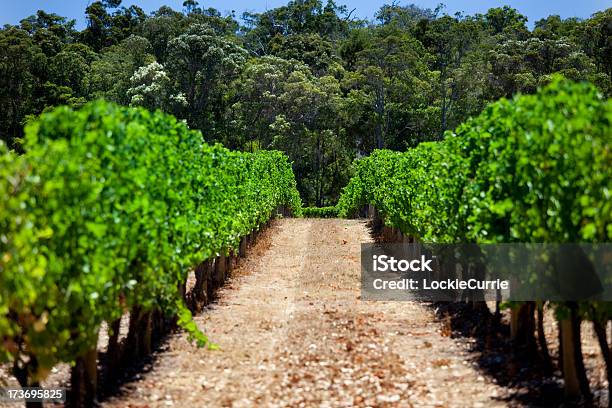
x: 106, y: 212
x: 537, y: 168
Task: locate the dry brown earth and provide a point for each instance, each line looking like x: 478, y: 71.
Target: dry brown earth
x: 293, y: 332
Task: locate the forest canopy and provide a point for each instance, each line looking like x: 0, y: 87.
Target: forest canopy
x: 307, y: 78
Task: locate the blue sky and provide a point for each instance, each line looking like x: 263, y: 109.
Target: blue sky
x: 15, y: 10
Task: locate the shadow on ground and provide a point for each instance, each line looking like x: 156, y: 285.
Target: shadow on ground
x: 488, y: 339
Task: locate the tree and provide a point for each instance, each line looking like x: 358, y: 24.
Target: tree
x: 69, y: 72
x: 111, y: 73
x: 523, y: 66
x: 203, y: 63
x: 331, y: 22
x: 21, y: 62
x: 391, y: 71
x: 405, y: 16
x: 107, y: 24
x: 190, y: 6
x: 280, y: 104
x: 311, y: 49
x: 49, y: 31
x: 405, y: 77
x: 97, y: 33
x: 595, y: 37
x: 506, y: 20
x: 553, y: 27
x: 450, y: 40
x: 160, y: 28
x: 151, y: 87
x: 255, y: 100
x: 309, y: 129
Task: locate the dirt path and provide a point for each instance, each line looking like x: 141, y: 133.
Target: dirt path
x: 293, y: 332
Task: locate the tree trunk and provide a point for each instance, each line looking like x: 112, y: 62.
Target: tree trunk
x: 84, y: 379
x: 145, y: 336
x: 497, y: 314
x: 231, y: 263
x: 34, y: 404
x: 159, y: 324
x: 319, y: 172
x: 243, y: 247
x: 210, y: 280
x: 570, y: 375
x: 132, y: 341
x: 23, y: 376
x: 113, y: 351
x: 522, y: 327
x: 574, y: 373
x: 200, y: 289
x: 220, y: 270
x: 602, y: 338
x: 380, y: 111
x: 547, y: 362
x: 560, y: 341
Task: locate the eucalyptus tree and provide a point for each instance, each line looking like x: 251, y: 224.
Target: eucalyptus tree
x: 202, y: 63
x: 315, y: 51
x: 450, y: 41
x: 595, y: 37
x: 22, y: 62
x: 111, y: 72
x: 392, y: 74
x: 329, y: 20
x: 310, y: 130
x: 108, y: 23
x: 49, y: 31
x: 525, y: 65
x: 281, y: 104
